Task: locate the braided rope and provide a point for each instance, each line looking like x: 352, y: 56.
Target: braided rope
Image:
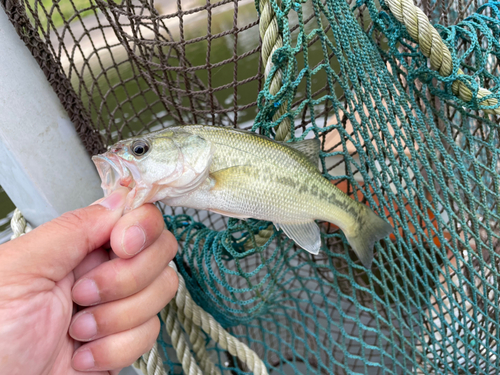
x: 198, y: 344
x: 151, y: 363
x: 433, y: 47
x: 271, y: 41
x: 261, y: 238
x: 18, y: 224
x: 174, y: 329
x: 211, y: 327
x: 182, y: 312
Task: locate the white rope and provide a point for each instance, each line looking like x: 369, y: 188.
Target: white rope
x: 19, y: 225
x: 174, y: 329
x: 151, y: 363
x: 432, y: 46
x: 182, y: 313
x: 197, y: 343
x: 200, y: 318
x: 271, y: 41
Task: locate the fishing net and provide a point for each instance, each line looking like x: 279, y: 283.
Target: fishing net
x: 412, y: 137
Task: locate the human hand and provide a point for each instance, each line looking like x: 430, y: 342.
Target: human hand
x: 65, y: 260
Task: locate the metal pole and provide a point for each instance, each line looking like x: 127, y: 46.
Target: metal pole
x: 44, y: 167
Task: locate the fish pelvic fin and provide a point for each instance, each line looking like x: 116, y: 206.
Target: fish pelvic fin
x: 229, y: 214
x: 370, y: 228
x: 306, y: 235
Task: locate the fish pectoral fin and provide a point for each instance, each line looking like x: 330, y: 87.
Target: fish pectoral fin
x: 306, y: 235
x: 233, y: 175
x: 309, y: 147
x: 232, y: 178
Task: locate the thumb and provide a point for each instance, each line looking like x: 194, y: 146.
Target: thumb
x: 54, y: 249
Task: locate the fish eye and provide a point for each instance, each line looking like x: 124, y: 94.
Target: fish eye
x: 140, y: 147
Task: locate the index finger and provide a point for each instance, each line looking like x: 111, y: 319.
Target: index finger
x: 136, y: 231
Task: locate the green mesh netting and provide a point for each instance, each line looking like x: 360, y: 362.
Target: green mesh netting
x: 418, y: 155
x: 393, y: 135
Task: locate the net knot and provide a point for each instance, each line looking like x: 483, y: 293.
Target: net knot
x: 281, y: 57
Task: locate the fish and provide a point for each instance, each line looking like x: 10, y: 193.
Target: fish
x: 243, y: 175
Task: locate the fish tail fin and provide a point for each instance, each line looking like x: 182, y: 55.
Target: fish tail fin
x: 370, y: 228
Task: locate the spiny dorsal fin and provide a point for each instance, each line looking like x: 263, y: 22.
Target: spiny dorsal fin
x: 309, y: 147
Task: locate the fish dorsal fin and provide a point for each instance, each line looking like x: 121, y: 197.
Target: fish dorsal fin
x: 306, y: 235
x: 309, y: 147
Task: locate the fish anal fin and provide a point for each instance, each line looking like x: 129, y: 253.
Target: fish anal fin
x: 309, y: 147
x: 306, y: 235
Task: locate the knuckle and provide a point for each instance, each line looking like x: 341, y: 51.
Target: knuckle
x: 153, y: 212
x: 72, y: 220
x: 114, y: 281
x: 126, y: 281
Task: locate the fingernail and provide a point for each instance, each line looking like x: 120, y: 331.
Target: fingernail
x: 86, y: 293
x: 84, y: 327
x: 115, y: 200
x: 134, y: 240
x: 83, y: 360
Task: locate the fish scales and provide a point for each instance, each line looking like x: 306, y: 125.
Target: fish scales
x: 298, y: 190
x: 240, y: 174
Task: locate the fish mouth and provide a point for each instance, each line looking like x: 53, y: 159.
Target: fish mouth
x: 113, y: 173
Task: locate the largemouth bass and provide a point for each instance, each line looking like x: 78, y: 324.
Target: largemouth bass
x: 243, y: 175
